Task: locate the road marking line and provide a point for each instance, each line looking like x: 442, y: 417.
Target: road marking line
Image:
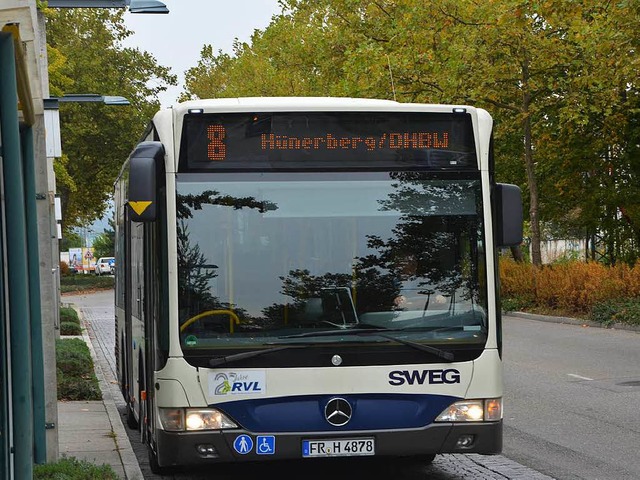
x: 579, y: 376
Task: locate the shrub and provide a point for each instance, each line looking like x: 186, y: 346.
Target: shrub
x: 73, y: 356
x: 70, y: 328
x: 64, y: 268
x: 570, y: 287
x: 68, y: 314
x: 70, y: 468
x: 617, y: 311
x: 73, y: 388
x: 517, y: 280
x: 85, y: 283
x: 76, y: 377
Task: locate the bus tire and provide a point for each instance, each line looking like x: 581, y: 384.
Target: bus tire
x: 419, y: 460
x: 123, y: 371
x: 427, y: 459
x: 154, y: 465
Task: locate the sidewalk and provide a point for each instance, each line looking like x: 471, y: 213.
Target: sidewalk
x: 93, y: 430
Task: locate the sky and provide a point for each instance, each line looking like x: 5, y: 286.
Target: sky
x: 176, y: 39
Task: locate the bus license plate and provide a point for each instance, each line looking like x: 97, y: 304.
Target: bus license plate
x: 343, y: 447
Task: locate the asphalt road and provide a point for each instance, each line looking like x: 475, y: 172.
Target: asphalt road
x: 570, y: 410
x: 572, y: 396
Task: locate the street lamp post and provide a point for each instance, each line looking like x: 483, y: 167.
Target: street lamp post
x: 86, y: 97
x: 52, y: 120
x: 134, y: 6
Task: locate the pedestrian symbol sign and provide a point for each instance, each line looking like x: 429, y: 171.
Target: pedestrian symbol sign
x: 243, y: 444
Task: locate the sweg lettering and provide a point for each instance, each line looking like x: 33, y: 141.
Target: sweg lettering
x: 245, y: 387
x: 432, y: 377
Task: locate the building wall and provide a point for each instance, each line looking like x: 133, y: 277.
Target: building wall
x: 25, y: 263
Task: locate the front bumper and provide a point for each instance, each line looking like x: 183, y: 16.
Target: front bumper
x: 181, y: 448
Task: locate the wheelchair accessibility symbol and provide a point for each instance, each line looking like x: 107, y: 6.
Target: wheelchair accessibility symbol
x: 265, y: 445
x: 243, y: 444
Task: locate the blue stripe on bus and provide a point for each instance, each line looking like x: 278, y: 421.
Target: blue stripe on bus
x: 306, y: 413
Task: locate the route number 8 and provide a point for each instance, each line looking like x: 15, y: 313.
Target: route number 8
x: 217, y: 150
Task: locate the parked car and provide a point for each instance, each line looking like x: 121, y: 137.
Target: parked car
x: 105, y: 266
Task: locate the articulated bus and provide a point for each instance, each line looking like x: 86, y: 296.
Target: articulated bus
x: 312, y: 277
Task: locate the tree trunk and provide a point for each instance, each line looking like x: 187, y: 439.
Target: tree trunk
x: 516, y: 253
x: 536, y: 256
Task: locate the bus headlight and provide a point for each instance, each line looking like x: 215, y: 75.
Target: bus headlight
x: 484, y: 410
x: 190, y: 419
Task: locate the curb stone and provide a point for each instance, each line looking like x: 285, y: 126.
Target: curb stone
x: 573, y: 321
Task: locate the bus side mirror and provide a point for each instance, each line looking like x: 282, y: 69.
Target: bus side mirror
x: 143, y: 170
x: 509, y: 231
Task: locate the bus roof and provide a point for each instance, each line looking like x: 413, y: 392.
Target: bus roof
x: 308, y: 103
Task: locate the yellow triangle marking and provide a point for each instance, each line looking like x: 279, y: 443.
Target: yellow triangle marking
x: 139, y: 207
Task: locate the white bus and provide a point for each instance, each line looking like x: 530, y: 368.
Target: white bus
x: 312, y: 277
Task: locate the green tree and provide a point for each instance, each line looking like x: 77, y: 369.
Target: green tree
x: 71, y: 240
x: 88, y: 57
x: 104, y: 243
x: 560, y: 79
x: 599, y: 125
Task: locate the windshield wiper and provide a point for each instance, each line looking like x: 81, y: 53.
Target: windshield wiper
x: 380, y: 333
x: 438, y: 352
x: 236, y: 357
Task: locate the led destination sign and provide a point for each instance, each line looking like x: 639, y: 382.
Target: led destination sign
x: 321, y: 140
x: 385, y: 141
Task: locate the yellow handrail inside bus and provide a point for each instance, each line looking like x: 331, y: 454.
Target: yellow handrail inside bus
x: 234, y: 318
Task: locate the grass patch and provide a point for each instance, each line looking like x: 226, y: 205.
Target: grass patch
x: 70, y: 468
x: 626, y: 311
x: 76, y: 378
x: 84, y: 283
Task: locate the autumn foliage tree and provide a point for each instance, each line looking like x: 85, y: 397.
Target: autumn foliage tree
x: 560, y: 79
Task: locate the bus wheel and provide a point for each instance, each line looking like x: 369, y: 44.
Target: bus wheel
x: 418, y: 461
x: 427, y: 459
x: 153, y: 463
x: 123, y: 373
x: 413, y: 466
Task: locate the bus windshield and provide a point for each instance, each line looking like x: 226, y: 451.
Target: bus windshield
x: 269, y: 256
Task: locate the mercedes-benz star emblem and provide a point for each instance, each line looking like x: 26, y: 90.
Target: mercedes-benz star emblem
x: 338, y: 412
